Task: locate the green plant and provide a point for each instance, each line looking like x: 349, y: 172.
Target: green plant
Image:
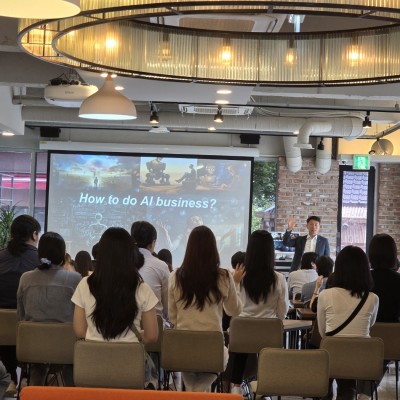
x: 7, y: 215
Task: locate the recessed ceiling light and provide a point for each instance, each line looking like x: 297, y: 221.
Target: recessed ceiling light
x: 224, y: 91
x: 113, y: 76
x: 221, y: 101
x: 212, y: 128
x: 8, y: 133
x: 104, y: 74
x: 119, y: 88
x: 295, y: 132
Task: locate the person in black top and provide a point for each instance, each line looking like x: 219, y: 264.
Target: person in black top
x: 382, y: 254
x: 20, y: 256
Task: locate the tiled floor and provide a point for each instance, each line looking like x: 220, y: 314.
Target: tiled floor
x: 386, y: 391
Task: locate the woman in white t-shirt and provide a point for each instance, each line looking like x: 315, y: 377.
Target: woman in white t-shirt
x: 352, y: 278
x: 263, y: 292
x: 114, y: 297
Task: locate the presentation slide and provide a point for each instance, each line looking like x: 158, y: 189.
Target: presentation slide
x: 87, y: 193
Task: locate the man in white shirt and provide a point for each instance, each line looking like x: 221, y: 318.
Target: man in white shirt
x: 312, y: 242
x: 154, y: 271
x: 305, y: 274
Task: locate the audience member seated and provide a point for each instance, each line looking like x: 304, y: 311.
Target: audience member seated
x: 105, y: 309
x: 69, y: 263
x: 166, y: 256
x: 263, y: 292
x: 20, y: 256
x: 304, y: 275
x: 352, y: 283
x: 154, y: 271
x: 83, y: 263
x: 324, y: 267
x: 44, y: 295
x: 382, y: 253
x: 198, y: 291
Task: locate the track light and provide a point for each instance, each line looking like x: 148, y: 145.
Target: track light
x: 153, y: 116
x: 321, y: 144
x: 218, y: 116
x: 367, y: 122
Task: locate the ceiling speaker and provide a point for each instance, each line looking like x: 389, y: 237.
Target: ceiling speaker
x: 249, y: 139
x: 49, y: 132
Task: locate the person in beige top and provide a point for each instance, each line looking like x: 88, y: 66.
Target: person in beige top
x: 198, y: 292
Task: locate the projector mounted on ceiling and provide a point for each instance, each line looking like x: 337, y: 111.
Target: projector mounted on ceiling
x: 68, y: 95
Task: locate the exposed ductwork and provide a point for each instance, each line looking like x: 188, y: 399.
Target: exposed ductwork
x: 293, y: 154
x: 312, y: 127
x: 347, y: 127
x: 323, y: 158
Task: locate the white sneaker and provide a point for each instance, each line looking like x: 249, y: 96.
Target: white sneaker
x: 11, y: 390
x: 237, y: 390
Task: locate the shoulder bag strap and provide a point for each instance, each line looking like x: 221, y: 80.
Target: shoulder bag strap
x: 351, y: 317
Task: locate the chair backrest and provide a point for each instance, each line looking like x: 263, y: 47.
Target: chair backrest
x: 109, y: 365
x: 192, y: 351
x: 389, y: 332
x: 284, y: 372
x: 250, y: 335
x: 156, y: 347
x: 354, y: 358
x: 45, y: 342
x: 8, y: 327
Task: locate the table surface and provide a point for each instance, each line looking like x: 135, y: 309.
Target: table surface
x: 296, y: 324
x: 305, y: 314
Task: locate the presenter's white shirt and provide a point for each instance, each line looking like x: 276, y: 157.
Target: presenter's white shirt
x: 145, y: 299
x: 311, y: 244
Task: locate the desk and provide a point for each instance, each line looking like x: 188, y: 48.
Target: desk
x: 305, y: 314
x: 297, y: 303
x: 291, y: 328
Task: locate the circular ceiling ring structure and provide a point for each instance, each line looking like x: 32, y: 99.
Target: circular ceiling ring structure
x: 106, y: 36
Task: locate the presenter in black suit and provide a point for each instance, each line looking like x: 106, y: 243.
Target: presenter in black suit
x: 311, y: 242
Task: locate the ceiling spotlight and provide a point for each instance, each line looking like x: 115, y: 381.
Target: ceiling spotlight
x: 8, y: 133
x: 224, y: 91
x: 321, y: 144
x: 153, y: 116
x: 367, y: 122
x: 212, y: 128
x: 218, y: 116
x: 221, y: 101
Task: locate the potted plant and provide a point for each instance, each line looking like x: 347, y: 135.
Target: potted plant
x: 7, y: 215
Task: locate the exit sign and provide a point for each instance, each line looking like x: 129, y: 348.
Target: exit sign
x: 361, y: 161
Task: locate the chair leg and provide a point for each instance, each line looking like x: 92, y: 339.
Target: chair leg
x: 396, y: 364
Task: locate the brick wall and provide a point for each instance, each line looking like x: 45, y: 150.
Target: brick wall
x: 308, y: 192
x: 388, y: 204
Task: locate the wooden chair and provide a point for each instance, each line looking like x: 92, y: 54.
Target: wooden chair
x: 193, y: 351
x: 390, y: 334
x: 45, y: 343
x: 250, y: 335
x: 8, y: 327
x: 355, y: 358
x: 282, y: 372
x: 109, y: 365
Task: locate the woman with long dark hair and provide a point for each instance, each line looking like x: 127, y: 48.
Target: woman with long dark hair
x: 114, y: 297
x: 351, y: 282
x: 20, y: 256
x: 83, y: 263
x: 44, y: 295
x: 263, y: 291
x: 198, y: 292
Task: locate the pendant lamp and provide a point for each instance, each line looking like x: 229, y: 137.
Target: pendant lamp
x: 40, y: 9
x: 108, y: 104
